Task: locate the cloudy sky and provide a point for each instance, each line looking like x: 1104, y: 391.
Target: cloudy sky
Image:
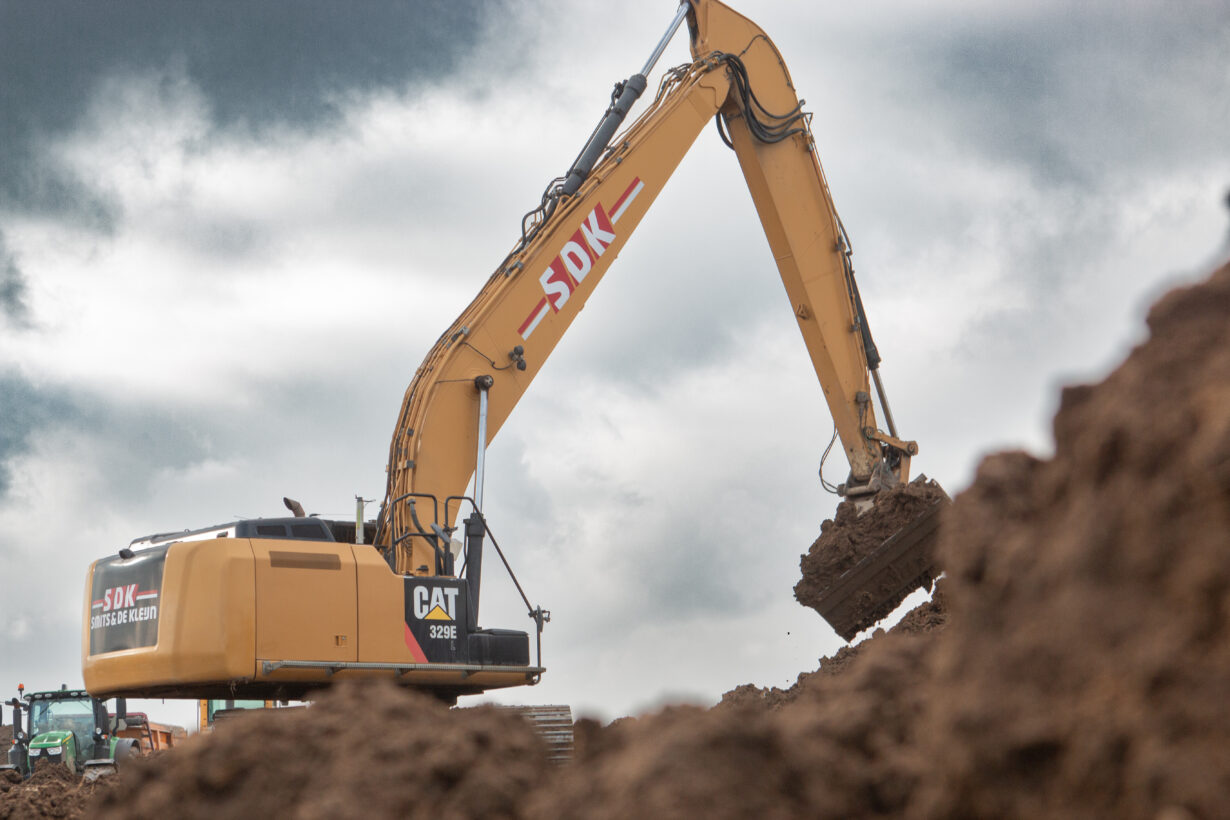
x: 230, y: 231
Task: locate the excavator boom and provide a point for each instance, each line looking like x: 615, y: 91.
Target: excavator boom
x: 486, y: 360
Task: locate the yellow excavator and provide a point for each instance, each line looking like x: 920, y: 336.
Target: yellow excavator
x: 274, y: 608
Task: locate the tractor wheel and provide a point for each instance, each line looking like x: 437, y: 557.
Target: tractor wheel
x: 124, y: 751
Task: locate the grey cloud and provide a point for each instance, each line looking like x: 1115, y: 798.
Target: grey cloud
x: 40, y: 650
x: 1095, y: 91
x: 258, y: 64
x: 12, y: 287
x: 692, y: 562
x: 24, y: 409
x: 143, y: 440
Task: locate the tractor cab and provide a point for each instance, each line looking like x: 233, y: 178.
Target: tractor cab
x: 66, y: 727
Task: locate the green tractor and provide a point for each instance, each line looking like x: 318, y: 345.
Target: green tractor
x: 69, y: 728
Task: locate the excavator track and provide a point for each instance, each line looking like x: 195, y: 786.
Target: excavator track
x: 554, y: 725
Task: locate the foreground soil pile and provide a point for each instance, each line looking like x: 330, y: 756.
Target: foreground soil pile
x: 51, y: 792
x: 1075, y: 664
x: 361, y: 751
x: 1086, y: 664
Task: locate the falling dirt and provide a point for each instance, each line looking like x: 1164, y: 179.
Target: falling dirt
x: 1074, y: 663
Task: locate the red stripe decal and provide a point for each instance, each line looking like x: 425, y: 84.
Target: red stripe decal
x: 620, y: 201
x: 542, y: 303
x: 413, y: 645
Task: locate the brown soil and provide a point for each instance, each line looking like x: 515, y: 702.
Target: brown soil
x: 850, y: 537
x: 842, y: 748
x: 927, y: 619
x: 53, y: 791
x: 362, y: 750
x: 1086, y: 666
x: 1075, y: 664
x: 1083, y: 667
x: 6, y: 736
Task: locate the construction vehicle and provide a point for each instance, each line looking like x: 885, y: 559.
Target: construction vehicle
x: 150, y: 736
x: 68, y: 727
x: 274, y: 608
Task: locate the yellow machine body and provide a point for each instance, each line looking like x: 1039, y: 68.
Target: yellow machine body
x: 253, y: 618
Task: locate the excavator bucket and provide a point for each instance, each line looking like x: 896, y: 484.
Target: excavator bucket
x: 866, y: 562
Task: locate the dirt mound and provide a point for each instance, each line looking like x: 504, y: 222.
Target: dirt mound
x: 1085, y: 652
x: 365, y: 749
x: 842, y: 748
x: 1075, y: 664
x: 53, y: 791
x: 1086, y: 665
x: 926, y: 619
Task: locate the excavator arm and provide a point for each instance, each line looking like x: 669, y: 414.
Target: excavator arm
x: 479, y: 368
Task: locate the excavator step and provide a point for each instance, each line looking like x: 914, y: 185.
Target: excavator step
x: 875, y: 586
x: 554, y: 725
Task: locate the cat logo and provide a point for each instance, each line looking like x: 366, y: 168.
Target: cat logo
x: 435, y: 603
